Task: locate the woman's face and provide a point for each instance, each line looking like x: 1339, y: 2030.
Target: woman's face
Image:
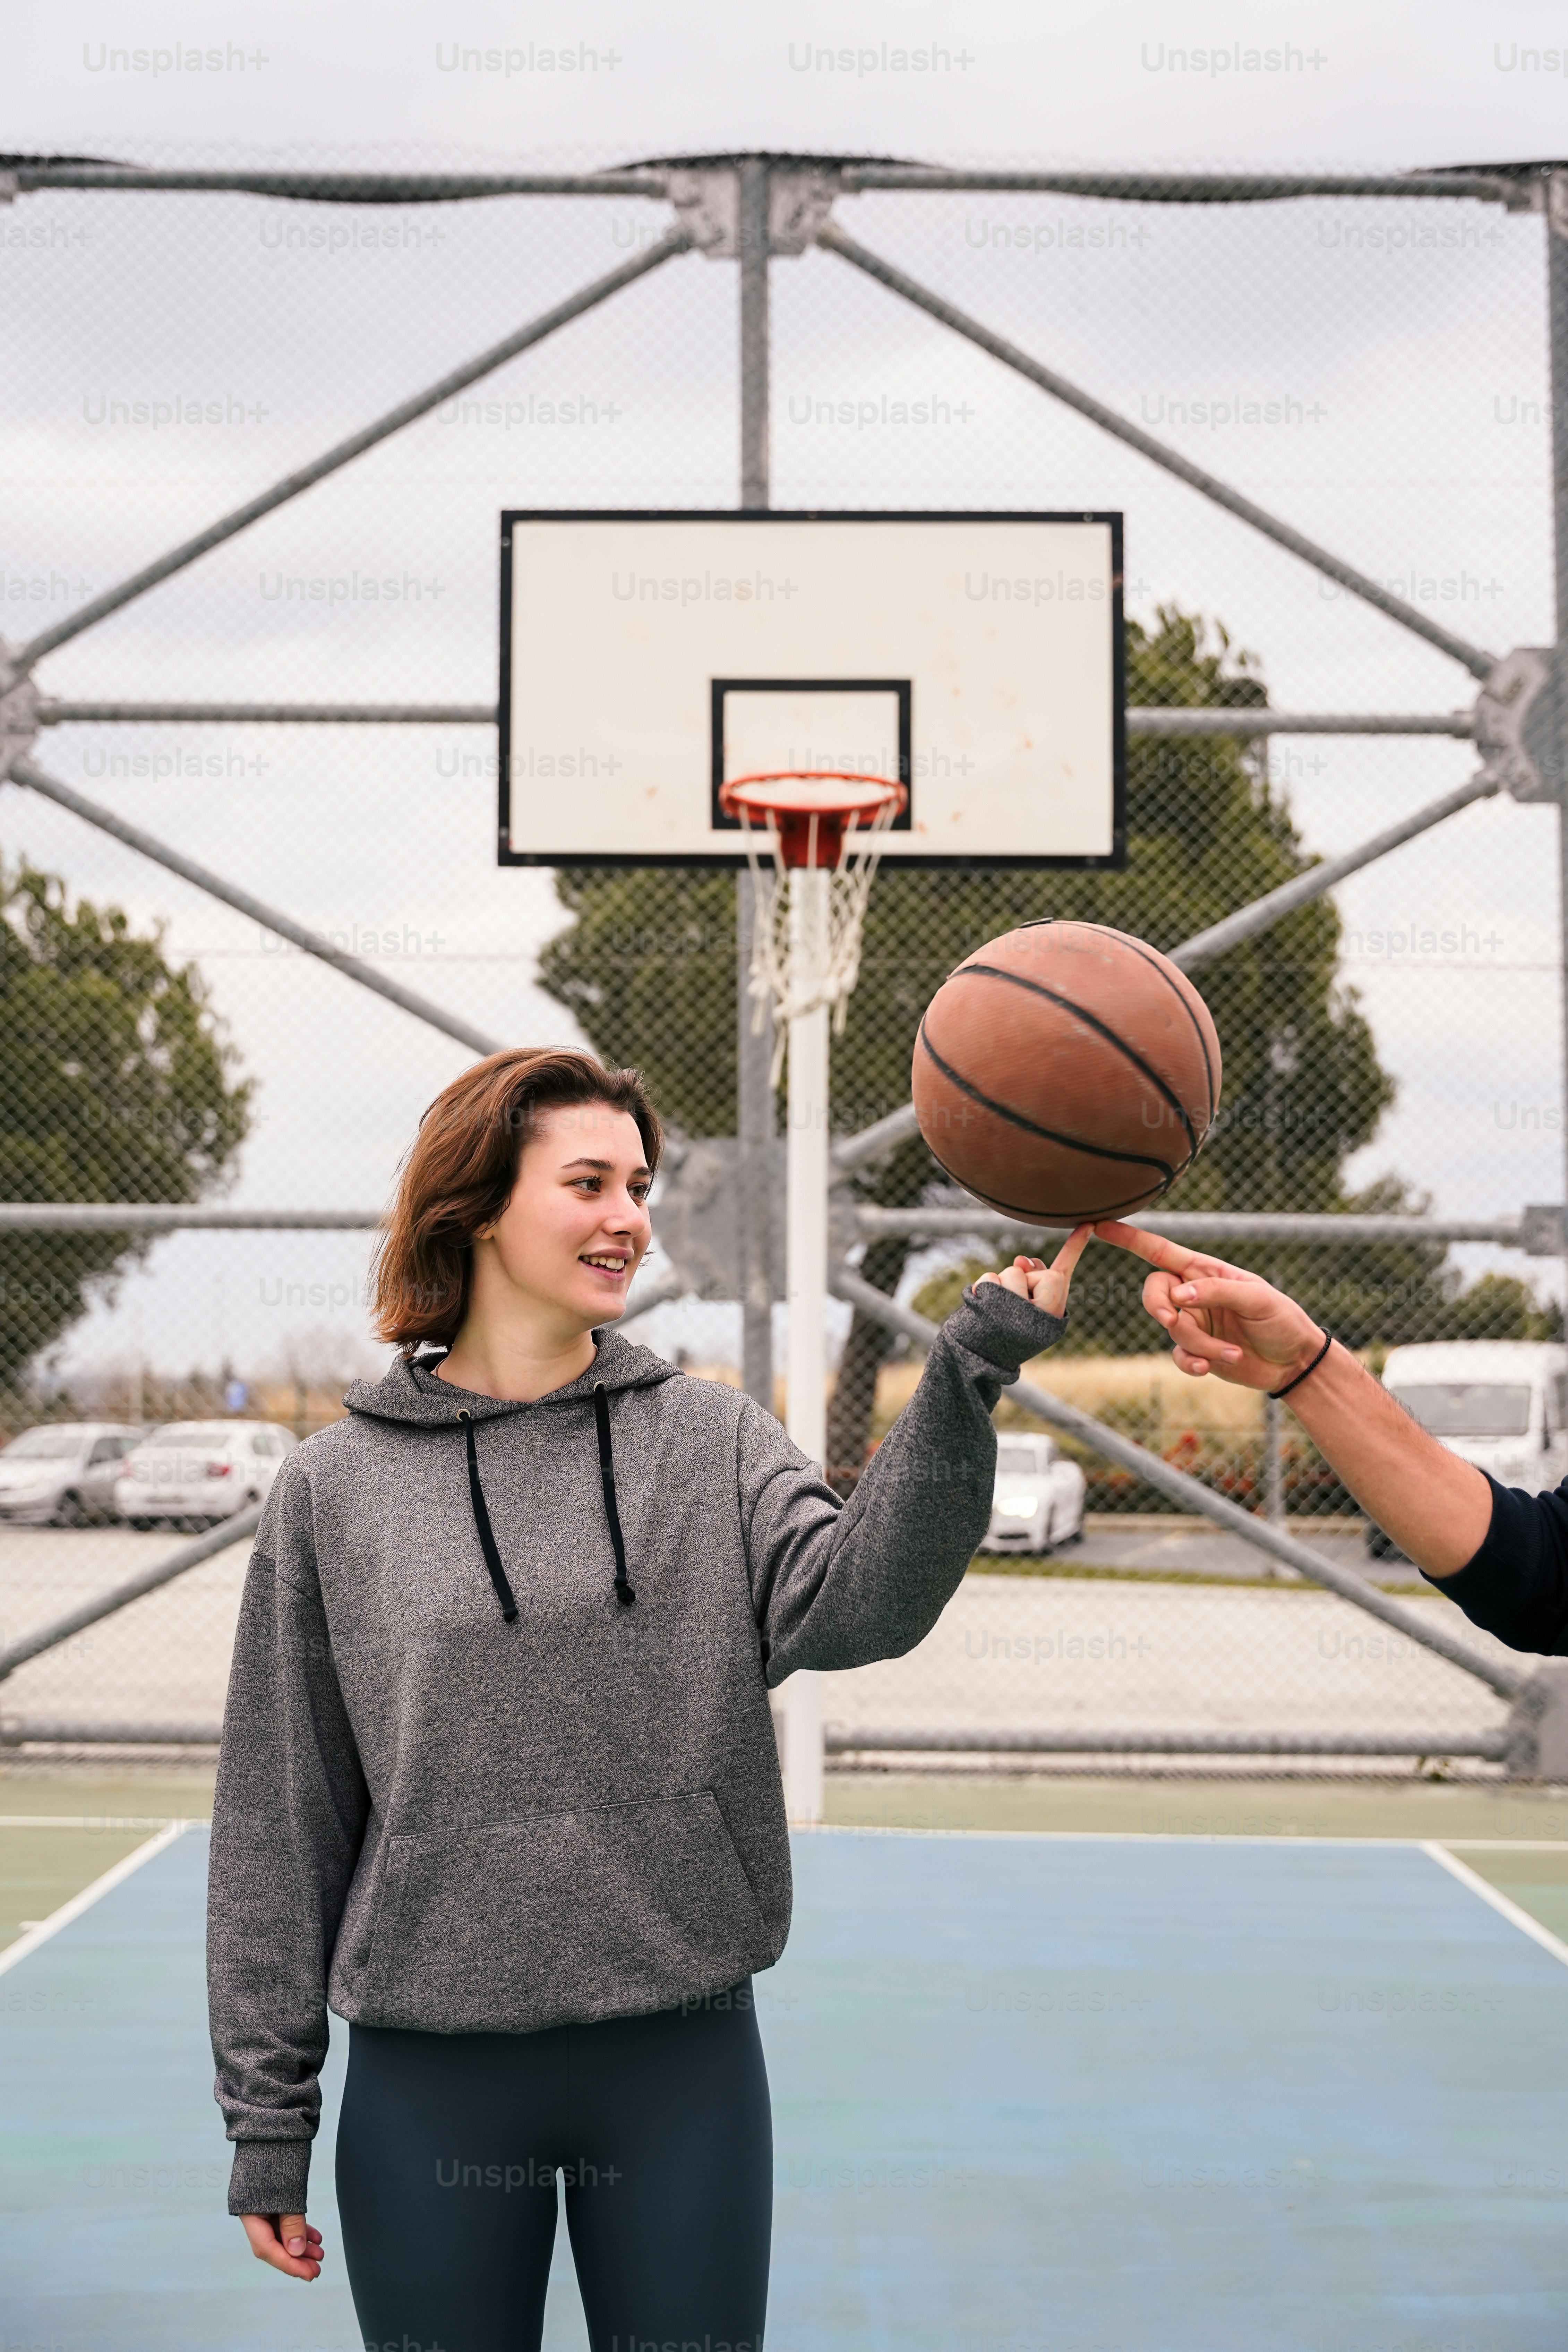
x: 576, y: 1226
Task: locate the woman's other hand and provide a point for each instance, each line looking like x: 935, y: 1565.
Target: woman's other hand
x: 1219, y: 1317
x: 1045, y: 1285
x: 287, y: 2241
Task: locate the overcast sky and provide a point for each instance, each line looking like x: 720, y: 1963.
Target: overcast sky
x: 1408, y: 380
x: 1376, y: 83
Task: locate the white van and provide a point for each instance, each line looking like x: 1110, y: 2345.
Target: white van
x: 1500, y: 1403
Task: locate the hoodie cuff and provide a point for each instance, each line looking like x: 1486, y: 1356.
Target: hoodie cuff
x: 270, y: 2176
x: 1002, y: 1329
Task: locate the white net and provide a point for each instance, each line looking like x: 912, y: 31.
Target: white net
x: 806, y: 949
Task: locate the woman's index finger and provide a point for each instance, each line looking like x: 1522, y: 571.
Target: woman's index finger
x: 1072, y: 1249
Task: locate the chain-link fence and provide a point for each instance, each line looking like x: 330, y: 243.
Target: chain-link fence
x: 1371, y: 370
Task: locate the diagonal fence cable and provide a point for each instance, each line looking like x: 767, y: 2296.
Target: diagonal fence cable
x: 91, y: 813
x: 1506, y: 1681
x: 1476, y: 659
x: 560, y: 315
x: 885, y: 1134
x: 147, y: 1580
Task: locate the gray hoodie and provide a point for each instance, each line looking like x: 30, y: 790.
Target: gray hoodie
x: 433, y: 1814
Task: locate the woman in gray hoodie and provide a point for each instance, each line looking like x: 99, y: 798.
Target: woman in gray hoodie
x: 498, y: 1783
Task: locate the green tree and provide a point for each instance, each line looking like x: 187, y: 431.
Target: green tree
x: 114, y: 1085
x: 648, y: 967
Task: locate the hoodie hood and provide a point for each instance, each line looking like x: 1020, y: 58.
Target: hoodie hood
x: 411, y: 1392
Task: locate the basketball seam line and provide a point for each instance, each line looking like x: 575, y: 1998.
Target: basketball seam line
x: 1090, y: 1021
x: 1156, y: 965
x: 1049, y: 1134
x: 1033, y: 1216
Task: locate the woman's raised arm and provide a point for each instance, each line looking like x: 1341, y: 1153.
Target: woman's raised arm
x: 839, y: 1584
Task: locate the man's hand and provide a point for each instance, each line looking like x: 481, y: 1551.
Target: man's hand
x: 287, y: 2241
x: 1219, y: 1317
x: 1222, y: 1320
x: 1045, y: 1286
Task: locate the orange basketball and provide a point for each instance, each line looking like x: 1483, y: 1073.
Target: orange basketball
x: 1066, y: 1071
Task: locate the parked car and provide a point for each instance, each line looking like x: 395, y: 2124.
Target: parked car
x: 63, y: 1472
x: 1038, y: 1501
x: 195, y: 1472
x: 1500, y: 1403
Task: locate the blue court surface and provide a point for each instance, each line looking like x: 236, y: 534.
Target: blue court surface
x: 1032, y: 2094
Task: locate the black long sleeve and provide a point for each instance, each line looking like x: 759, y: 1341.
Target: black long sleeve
x: 1517, y: 1585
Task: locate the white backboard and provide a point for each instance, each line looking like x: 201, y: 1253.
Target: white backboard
x: 649, y: 658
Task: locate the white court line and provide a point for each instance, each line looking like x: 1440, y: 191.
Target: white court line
x: 85, y: 1820
x: 1506, y: 1845
x: 1498, y: 1901
x: 46, y: 1928
x: 1135, y: 1837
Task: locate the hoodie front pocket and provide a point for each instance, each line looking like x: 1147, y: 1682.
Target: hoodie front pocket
x: 523, y: 1923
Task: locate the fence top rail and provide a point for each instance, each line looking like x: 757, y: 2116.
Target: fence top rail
x: 1145, y: 719
x: 1511, y: 185
x: 1538, y: 1233
x: 1514, y: 186
x: 154, y: 1217
x: 1155, y: 719
x: 54, y: 712
x: 333, y: 187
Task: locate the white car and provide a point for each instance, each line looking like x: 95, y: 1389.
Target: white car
x: 195, y: 1472
x: 1500, y: 1403
x: 63, y: 1472
x: 1038, y: 1502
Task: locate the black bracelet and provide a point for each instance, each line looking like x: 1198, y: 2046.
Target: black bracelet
x: 1275, y: 1394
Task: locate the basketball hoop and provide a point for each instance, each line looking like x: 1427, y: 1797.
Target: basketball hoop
x: 822, y: 831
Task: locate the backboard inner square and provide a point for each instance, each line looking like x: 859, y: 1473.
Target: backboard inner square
x: 774, y: 730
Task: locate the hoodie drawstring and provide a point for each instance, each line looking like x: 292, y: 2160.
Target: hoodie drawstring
x: 482, y: 1523
x: 624, y: 1592
x: 608, y: 1480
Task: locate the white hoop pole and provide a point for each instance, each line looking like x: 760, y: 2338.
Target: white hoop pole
x: 806, y: 1280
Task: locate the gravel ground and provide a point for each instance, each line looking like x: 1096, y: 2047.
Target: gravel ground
x: 1026, y: 1653
x: 164, y: 1659
x: 1059, y: 1653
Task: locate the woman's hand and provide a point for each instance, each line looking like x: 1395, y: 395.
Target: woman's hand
x: 1219, y: 1317
x: 287, y: 2241
x: 1045, y: 1285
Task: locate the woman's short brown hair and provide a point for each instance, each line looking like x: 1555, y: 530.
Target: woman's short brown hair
x: 460, y: 1175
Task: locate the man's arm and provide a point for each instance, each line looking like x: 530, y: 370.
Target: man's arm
x: 1224, y: 1320
x: 1437, y: 1507
x: 1502, y: 1554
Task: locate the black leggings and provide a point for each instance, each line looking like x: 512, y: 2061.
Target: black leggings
x: 447, y: 2152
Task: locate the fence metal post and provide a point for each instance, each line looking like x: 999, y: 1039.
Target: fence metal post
x: 753, y: 241
x: 1273, y: 1464
x: 1273, y: 1424
x: 755, y: 1126
x: 1544, y: 1709
x: 1557, y: 340
x: 753, y: 1050
x: 797, y: 1710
